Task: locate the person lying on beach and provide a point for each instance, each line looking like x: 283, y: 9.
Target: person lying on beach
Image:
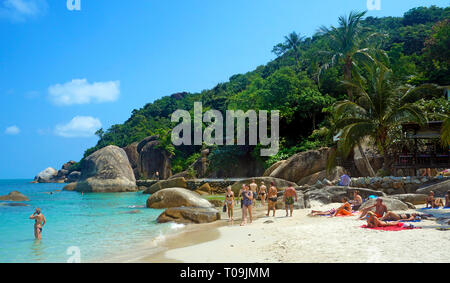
x: 392, y: 216
x: 272, y: 195
x: 357, y: 200
x: 373, y: 221
x: 262, y: 193
x: 289, y: 198
x: 229, y: 201
x: 39, y: 223
x: 380, y: 209
x: 345, y: 209
x: 323, y: 213
x: 247, y: 203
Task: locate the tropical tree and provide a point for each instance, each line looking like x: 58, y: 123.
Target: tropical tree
x: 380, y: 107
x: 292, y: 42
x: 348, y: 43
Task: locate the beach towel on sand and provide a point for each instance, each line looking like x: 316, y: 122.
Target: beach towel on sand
x: 399, y: 227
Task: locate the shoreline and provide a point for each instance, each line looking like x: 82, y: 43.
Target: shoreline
x: 301, y: 238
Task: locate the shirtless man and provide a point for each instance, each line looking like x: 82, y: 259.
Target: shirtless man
x: 272, y: 196
x: 289, y: 197
x: 380, y: 209
x: 39, y: 223
x: 253, y: 188
x: 262, y: 193
x: 357, y: 200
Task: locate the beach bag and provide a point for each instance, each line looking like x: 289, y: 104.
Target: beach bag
x: 224, y: 208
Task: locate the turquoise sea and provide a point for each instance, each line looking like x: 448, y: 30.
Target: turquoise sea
x: 100, y: 226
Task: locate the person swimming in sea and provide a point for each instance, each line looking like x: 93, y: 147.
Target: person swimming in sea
x: 289, y: 198
x: 39, y: 223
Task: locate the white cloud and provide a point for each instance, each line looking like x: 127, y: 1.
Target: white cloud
x: 79, y: 126
x: 20, y: 10
x: 79, y: 91
x: 13, y: 130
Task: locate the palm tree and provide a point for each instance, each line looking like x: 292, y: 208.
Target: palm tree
x: 347, y: 42
x: 292, y: 43
x: 380, y: 107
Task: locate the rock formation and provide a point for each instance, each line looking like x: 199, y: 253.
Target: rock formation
x: 106, y: 170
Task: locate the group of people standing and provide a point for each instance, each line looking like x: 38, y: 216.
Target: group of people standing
x: 249, y: 194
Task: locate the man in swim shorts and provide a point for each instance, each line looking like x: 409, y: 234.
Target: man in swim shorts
x: 289, y: 197
x: 357, y: 200
x: 262, y: 193
x: 39, y: 223
x: 272, y: 196
x: 380, y: 209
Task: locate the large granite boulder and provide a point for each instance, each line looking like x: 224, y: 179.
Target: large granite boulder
x: 133, y: 157
x: 153, y: 158
x: 332, y: 194
x: 171, y: 183
x: 70, y: 187
x: 332, y: 176
x: 374, y: 158
x: 414, y: 199
x: 279, y: 183
x: 46, y: 176
x: 74, y: 176
x: 392, y: 204
x: 439, y: 189
x: 273, y: 167
x: 188, y: 215
x: 302, y: 164
x: 14, y: 196
x: 107, y: 170
x: 176, y: 197
x: 68, y: 164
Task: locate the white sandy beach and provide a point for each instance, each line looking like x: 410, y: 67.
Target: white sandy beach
x: 306, y: 239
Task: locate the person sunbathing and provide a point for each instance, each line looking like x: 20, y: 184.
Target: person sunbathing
x: 380, y: 209
x: 434, y: 202
x: 374, y: 222
x: 345, y: 209
x: 392, y: 216
x: 323, y: 213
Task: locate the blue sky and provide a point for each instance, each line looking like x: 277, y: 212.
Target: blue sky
x: 64, y: 74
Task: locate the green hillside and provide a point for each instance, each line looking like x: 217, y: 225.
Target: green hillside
x: 306, y: 80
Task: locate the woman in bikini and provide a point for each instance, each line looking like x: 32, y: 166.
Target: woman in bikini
x: 247, y: 202
x: 229, y: 201
x: 373, y: 221
x: 345, y: 209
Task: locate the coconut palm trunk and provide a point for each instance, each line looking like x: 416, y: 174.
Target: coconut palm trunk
x: 366, y: 161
